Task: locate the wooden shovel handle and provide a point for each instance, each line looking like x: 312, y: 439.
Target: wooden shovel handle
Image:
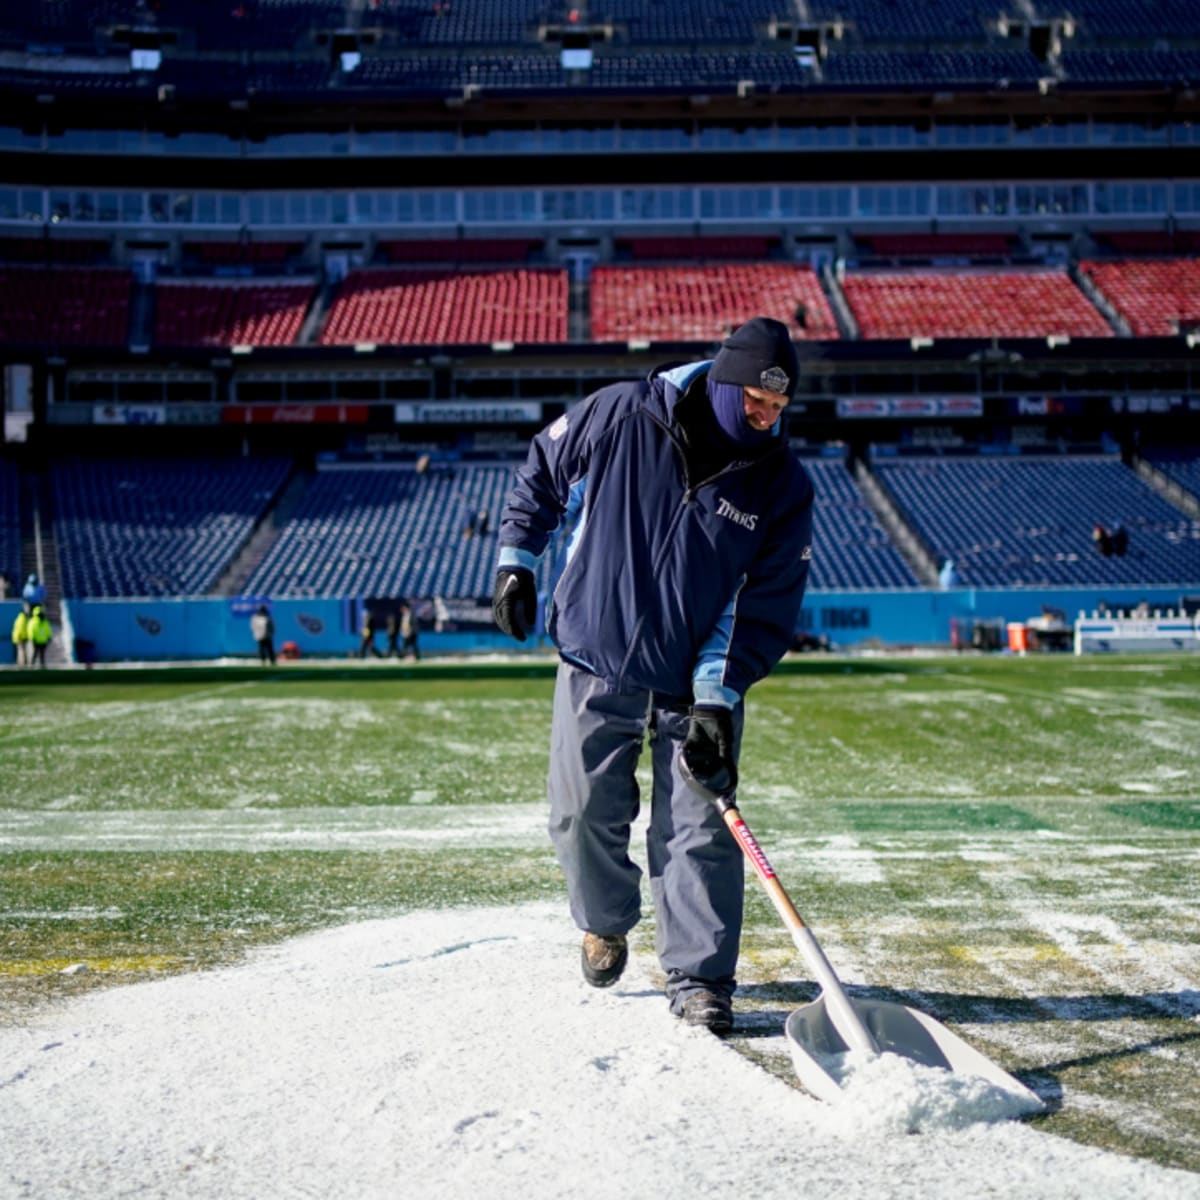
x: 762, y: 866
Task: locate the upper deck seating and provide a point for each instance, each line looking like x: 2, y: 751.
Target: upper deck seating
x: 435, y: 307
x: 231, y: 314
x: 1157, y: 297
x: 64, y: 306
x: 971, y: 304
x: 703, y: 303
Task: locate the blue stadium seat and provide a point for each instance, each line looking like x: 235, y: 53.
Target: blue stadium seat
x: 1015, y: 521
x: 156, y: 527
x: 850, y: 547
x: 389, y: 531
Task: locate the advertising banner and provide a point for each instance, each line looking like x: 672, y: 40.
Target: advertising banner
x: 467, y: 412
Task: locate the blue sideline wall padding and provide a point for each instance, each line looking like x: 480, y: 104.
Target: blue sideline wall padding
x: 923, y: 617
x: 135, y: 630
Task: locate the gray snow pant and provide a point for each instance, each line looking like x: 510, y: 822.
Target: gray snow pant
x: 696, y: 869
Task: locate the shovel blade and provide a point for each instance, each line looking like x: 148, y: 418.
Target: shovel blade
x: 817, y: 1047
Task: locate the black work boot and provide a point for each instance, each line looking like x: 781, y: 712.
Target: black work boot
x: 603, y: 957
x: 710, y: 1010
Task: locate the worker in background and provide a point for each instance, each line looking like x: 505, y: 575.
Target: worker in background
x: 40, y: 634
x: 20, y: 638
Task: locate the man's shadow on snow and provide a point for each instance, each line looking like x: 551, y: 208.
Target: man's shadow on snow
x: 771, y: 1003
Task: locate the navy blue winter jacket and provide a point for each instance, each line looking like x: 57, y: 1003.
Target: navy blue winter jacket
x: 686, y: 588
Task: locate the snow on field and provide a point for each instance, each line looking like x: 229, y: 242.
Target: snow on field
x: 456, y: 1054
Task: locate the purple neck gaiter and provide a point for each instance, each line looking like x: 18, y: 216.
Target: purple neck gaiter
x: 729, y: 408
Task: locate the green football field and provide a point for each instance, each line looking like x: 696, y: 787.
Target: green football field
x: 1011, y: 844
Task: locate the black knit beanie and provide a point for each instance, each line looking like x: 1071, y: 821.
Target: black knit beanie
x: 758, y: 354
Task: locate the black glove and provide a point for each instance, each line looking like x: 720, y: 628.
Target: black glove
x: 708, y: 748
x: 514, y: 602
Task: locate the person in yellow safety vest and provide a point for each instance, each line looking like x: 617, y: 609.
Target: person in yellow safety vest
x: 40, y: 634
x: 20, y: 638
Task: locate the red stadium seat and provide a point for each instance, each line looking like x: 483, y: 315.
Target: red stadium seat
x: 231, y: 314
x: 702, y: 303
x: 400, y: 307
x: 1157, y: 297
x: 971, y: 304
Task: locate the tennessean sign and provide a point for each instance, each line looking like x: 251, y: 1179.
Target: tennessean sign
x: 468, y: 412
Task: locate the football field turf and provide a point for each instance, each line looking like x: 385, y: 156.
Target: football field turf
x: 1012, y: 845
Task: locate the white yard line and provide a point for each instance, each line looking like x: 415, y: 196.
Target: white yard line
x: 109, y: 713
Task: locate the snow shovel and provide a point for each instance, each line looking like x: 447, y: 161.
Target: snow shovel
x: 821, y: 1032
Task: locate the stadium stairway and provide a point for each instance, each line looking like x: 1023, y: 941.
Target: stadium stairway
x: 39, y: 556
x: 233, y: 579
x: 579, y: 314
x: 1171, y: 491
x: 916, y: 553
x: 1086, y: 285
x: 314, y: 319
x: 143, y: 301
x: 847, y: 325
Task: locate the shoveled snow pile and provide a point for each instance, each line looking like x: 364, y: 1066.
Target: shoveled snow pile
x: 459, y: 1054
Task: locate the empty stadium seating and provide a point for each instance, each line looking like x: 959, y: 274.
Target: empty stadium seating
x: 1119, y: 20
x: 1181, y: 465
x: 10, y: 524
x: 1112, y: 68
x: 230, y: 314
x: 950, y: 68
x: 850, y: 547
x: 1010, y: 521
x: 709, y: 22
x: 932, y: 21
x: 64, y: 306
x: 388, y: 531
x: 971, y: 304
x: 704, y: 303
x: 460, y: 22
x: 449, y: 308
x: 155, y: 527
x: 1157, y: 297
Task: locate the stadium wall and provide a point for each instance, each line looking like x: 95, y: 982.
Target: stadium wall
x: 212, y: 628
